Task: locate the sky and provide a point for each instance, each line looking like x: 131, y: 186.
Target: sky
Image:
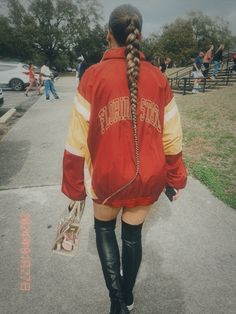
x: 156, y: 13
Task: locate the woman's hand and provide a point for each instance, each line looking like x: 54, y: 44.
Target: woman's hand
x: 177, y: 195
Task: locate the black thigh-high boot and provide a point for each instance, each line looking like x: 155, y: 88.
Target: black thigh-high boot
x: 131, y: 259
x: 109, y: 255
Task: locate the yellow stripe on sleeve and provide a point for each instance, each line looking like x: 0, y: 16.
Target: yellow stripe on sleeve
x: 82, y: 106
x: 88, y: 177
x: 77, y: 136
x: 170, y: 106
x: 172, y: 133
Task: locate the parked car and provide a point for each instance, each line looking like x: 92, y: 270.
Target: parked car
x: 13, y: 75
x: 1, y: 97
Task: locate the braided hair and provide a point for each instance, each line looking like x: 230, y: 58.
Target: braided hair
x: 125, y: 24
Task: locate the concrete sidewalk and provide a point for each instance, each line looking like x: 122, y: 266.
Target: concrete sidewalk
x: 189, y: 251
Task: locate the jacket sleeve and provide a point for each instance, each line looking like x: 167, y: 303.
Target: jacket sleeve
x: 76, y: 149
x: 172, y: 142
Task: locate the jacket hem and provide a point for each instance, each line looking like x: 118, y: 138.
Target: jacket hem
x: 129, y: 203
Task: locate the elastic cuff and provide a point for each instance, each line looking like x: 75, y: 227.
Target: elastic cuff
x: 130, y: 232
x: 111, y: 224
x: 131, y: 227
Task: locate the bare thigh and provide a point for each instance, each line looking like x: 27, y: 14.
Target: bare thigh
x: 36, y: 84
x: 105, y: 212
x: 132, y: 216
x: 31, y: 83
x: 136, y: 215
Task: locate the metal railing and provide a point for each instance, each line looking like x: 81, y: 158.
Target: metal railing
x: 180, y: 73
x: 186, y: 83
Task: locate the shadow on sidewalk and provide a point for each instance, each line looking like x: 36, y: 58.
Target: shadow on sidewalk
x: 13, y: 155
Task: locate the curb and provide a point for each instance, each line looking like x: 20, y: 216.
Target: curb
x: 7, y: 115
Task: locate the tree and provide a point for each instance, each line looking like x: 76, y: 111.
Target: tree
x: 209, y: 31
x: 61, y: 30
x: 17, y: 13
x: 89, y: 37
x: 6, y: 42
x: 151, y: 48
x: 52, y: 28
x: 52, y: 21
x: 177, y: 41
x: 92, y: 44
x: 16, y: 27
x: 182, y: 39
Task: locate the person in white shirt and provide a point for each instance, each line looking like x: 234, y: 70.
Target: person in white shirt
x: 48, y: 83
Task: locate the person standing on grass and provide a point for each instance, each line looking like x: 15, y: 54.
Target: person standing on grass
x: 197, y: 72
x: 217, y: 60
x: 48, y: 83
x: 124, y: 147
x: 32, y: 80
x: 234, y: 65
x: 207, y: 60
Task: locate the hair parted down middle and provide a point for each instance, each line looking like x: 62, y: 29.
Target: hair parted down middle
x: 126, y: 24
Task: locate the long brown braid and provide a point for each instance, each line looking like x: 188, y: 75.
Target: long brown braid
x: 125, y: 24
x: 133, y: 66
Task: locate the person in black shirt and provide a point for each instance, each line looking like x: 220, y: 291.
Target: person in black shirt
x: 164, y: 65
x: 83, y: 67
x: 217, y: 60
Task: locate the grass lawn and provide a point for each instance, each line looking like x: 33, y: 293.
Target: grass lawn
x: 209, y: 126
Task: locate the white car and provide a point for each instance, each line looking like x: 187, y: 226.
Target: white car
x: 14, y: 75
x: 1, y: 97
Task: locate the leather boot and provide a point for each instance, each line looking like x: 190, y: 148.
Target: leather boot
x: 131, y: 259
x: 109, y: 255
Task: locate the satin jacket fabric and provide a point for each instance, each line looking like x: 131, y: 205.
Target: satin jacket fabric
x: 99, y: 156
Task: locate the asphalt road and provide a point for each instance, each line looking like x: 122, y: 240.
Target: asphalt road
x: 17, y: 100
x: 20, y: 102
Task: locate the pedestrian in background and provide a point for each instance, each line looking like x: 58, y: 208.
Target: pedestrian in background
x: 197, y: 72
x: 80, y: 60
x: 48, y: 83
x: 124, y: 146
x: 90, y: 59
x: 217, y: 60
x: 83, y: 67
x: 207, y: 60
x: 32, y: 80
x: 164, y: 65
x: 234, y: 65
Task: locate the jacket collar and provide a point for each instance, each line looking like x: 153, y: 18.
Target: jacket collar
x: 117, y: 53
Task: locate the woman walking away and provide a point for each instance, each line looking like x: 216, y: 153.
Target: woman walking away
x: 123, y: 148
x: 32, y: 80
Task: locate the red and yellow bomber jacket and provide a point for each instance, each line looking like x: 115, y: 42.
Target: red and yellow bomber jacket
x: 99, y: 157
